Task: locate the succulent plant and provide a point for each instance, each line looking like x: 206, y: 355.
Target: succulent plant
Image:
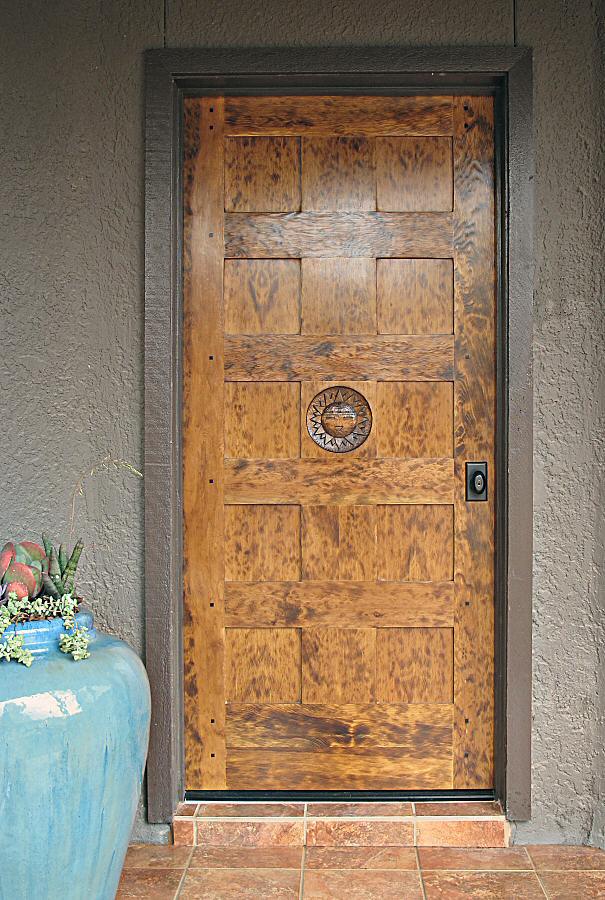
x: 59, y: 576
x: 21, y: 568
x: 28, y: 569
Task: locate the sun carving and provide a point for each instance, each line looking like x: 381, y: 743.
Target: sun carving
x: 339, y: 419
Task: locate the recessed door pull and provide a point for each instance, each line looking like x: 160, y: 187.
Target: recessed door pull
x: 476, y: 481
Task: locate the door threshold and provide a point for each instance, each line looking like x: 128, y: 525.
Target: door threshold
x: 339, y: 796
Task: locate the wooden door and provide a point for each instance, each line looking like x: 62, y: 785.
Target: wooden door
x: 339, y: 292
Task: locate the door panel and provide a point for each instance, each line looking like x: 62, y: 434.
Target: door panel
x: 339, y: 295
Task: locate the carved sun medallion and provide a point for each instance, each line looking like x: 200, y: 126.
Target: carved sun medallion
x: 339, y: 419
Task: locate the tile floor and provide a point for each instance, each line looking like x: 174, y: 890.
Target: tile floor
x: 354, y: 850
x: 453, y: 824
x: 372, y: 873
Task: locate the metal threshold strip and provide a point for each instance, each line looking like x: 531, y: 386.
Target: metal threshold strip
x: 339, y: 796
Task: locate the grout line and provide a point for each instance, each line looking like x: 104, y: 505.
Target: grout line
x: 183, y: 876
x: 302, y: 873
x: 420, y: 876
x: 537, y: 874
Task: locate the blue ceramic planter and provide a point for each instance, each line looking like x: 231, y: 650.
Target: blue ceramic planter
x: 73, y: 744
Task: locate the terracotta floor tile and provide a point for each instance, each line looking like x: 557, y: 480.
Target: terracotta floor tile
x: 242, y: 884
x: 474, y: 858
x: 183, y: 832
x: 573, y: 885
x: 364, y: 833
x: 253, y: 810
x: 561, y: 857
x: 456, y: 833
x: 454, y: 808
x: 246, y: 858
x: 328, y: 884
x: 152, y: 884
x: 211, y: 833
x: 486, y: 885
x: 361, y: 858
x: 186, y: 809
x: 153, y: 856
x: 359, y: 809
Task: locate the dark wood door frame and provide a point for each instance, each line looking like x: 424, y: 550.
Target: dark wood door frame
x: 506, y: 73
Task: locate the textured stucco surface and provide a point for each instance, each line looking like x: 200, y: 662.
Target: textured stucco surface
x: 71, y: 301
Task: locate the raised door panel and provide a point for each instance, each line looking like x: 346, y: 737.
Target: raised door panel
x: 262, y: 420
x: 262, y: 174
x: 415, y: 296
x: 338, y: 174
x: 338, y: 665
x: 262, y: 296
x: 262, y: 665
x: 414, y: 174
x: 262, y: 543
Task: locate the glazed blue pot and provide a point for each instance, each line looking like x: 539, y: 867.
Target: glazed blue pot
x: 73, y: 744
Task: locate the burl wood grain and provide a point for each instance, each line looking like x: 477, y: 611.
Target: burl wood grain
x: 338, y: 665
x: 474, y: 417
x: 340, y: 358
x: 342, y: 769
x: 415, y: 543
x: 338, y: 174
x: 262, y: 296
x: 262, y: 543
x: 338, y: 115
x: 338, y: 296
x: 344, y: 603
x: 339, y: 542
x: 339, y: 481
x: 203, y: 629
x: 414, y: 174
x: 325, y: 727
x: 414, y: 418
x: 262, y: 665
x: 262, y: 419
x: 262, y: 174
x: 348, y: 234
x: 415, y: 296
x: 415, y: 665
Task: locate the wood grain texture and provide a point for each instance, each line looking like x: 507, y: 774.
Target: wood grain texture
x: 338, y: 543
x: 338, y: 174
x: 262, y: 419
x: 203, y: 630
x: 262, y: 296
x: 415, y: 543
x: 333, y: 358
x: 262, y: 543
x: 414, y: 174
x: 415, y: 296
x: 262, y: 174
x: 338, y: 665
x: 309, y: 390
x: 347, y: 234
x: 474, y: 404
x: 367, y: 116
x: 348, y: 604
x: 414, y: 665
x: 339, y: 481
x: 315, y: 727
x: 414, y: 419
x: 338, y: 296
x: 345, y: 769
x: 262, y: 665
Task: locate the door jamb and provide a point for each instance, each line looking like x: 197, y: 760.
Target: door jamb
x: 505, y: 72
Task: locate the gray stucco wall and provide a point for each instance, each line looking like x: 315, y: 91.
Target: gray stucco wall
x: 71, y: 295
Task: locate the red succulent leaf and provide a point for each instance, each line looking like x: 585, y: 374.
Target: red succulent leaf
x: 7, y: 555
x: 34, y: 550
x: 18, y: 588
x: 19, y: 572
